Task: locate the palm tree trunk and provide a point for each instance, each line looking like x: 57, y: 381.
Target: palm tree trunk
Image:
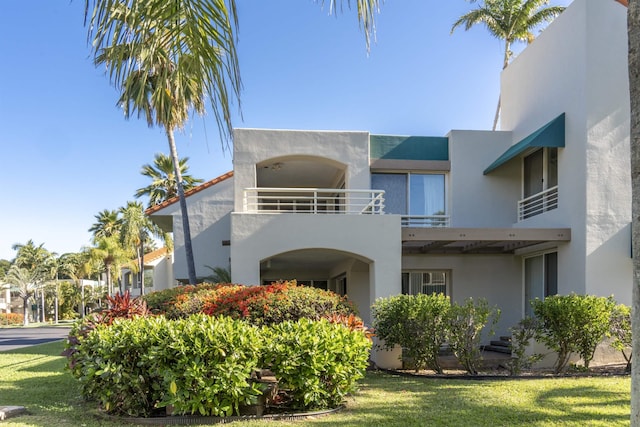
x: 633, y: 29
x: 191, y: 268
x: 25, y: 311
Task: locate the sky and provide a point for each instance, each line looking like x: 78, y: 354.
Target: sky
x: 67, y: 152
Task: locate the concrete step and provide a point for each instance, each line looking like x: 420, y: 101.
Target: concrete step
x: 497, y: 349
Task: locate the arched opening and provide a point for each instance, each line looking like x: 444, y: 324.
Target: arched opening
x: 338, y: 271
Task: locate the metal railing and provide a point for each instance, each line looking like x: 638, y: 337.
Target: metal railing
x: 425, y: 221
x: 538, y: 203
x: 313, y: 201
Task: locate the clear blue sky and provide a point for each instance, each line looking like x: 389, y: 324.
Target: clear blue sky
x: 67, y: 152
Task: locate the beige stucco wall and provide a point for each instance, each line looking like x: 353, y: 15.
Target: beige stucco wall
x: 252, y: 146
x: 374, y: 239
x: 578, y: 66
x: 210, y: 224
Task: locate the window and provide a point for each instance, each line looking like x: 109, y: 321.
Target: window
x: 148, y: 278
x: 540, y: 177
x: 425, y: 282
x: 414, y: 194
x: 320, y: 284
x: 540, y: 278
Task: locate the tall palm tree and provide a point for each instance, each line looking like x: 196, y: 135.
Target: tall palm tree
x: 511, y: 21
x: 136, y: 234
x: 107, y: 224
x: 168, y: 57
x: 163, y: 179
x: 633, y: 32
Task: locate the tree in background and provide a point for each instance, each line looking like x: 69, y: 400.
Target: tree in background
x: 110, y: 252
x: 40, y: 267
x: 136, y: 235
x: 163, y: 179
x: 77, y: 266
x: 168, y: 58
x: 25, y: 283
x: 511, y: 21
x: 107, y: 224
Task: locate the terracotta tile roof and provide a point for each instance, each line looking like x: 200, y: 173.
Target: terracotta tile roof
x: 169, y: 202
x: 154, y: 255
x: 623, y: 2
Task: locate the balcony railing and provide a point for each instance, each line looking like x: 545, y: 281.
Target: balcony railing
x: 425, y: 221
x: 538, y: 203
x: 313, y: 201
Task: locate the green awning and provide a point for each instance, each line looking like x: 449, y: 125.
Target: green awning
x: 549, y: 135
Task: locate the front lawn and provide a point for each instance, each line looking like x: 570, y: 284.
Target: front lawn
x: 34, y: 377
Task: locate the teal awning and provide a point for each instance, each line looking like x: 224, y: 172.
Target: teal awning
x: 549, y: 135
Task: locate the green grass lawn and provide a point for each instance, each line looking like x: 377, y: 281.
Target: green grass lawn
x: 34, y: 377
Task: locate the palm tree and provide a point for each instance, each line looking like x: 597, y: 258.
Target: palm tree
x: 109, y: 251
x: 511, y: 21
x: 136, y: 232
x: 25, y: 283
x: 39, y: 263
x: 163, y: 179
x: 168, y: 57
x: 633, y: 31
x: 76, y: 266
x: 107, y: 224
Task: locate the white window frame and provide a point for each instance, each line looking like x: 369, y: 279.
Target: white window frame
x: 527, y: 310
x: 424, y: 285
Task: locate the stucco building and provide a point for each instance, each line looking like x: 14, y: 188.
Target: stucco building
x: 542, y: 206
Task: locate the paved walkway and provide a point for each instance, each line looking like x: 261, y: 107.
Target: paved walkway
x: 12, y: 338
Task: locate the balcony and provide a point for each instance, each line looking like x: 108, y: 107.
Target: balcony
x: 538, y: 203
x: 425, y: 221
x: 313, y: 201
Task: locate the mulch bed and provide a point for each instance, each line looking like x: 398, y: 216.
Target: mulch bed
x: 499, y: 373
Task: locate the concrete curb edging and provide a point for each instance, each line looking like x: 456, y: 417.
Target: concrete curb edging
x: 11, y: 411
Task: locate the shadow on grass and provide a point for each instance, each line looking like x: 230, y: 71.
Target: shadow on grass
x: 400, y: 401
x: 53, y: 399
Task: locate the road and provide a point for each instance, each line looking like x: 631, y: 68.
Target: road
x: 12, y: 338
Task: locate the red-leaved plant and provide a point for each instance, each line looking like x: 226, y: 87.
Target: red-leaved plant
x: 352, y: 322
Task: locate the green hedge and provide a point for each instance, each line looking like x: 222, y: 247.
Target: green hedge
x: 318, y: 362
x: 204, y: 365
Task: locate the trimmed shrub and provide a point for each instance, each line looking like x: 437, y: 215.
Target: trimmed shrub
x: 260, y: 305
x: 276, y: 303
x: 573, y: 323
x: 164, y: 302
x: 111, y: 364
x: 199, y: 365
x: 465, y: 326
x: 11, y: 319
x: 121, y: 306
x: 317, y: 362
x: 620, y: 332
x: 211, y: 362
x: 521, y: 336
x: 417, y: 323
